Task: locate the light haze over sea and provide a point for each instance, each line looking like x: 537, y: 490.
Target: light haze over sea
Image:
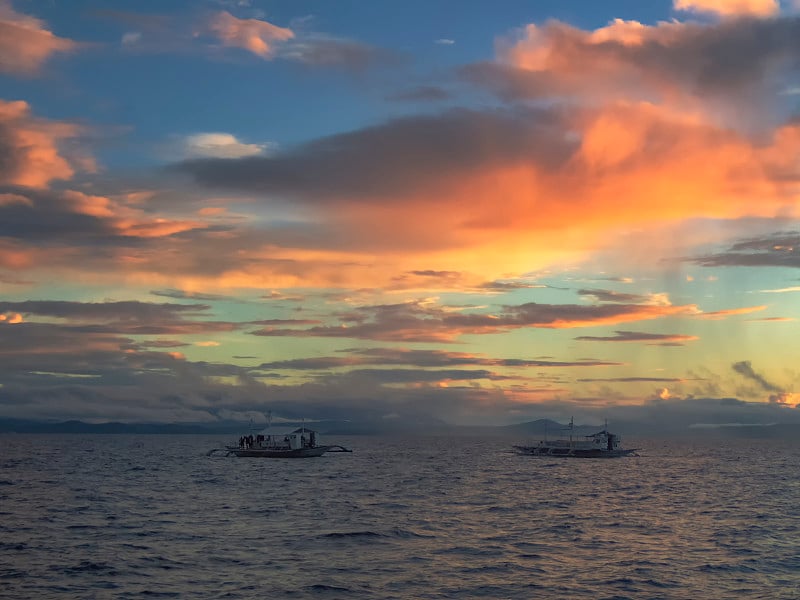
x: 133, y: 516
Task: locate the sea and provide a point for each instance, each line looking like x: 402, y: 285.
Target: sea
x: 152, y: 516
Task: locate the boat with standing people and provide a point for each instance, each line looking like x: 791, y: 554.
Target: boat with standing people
x: 299, y: 442
x: 602, y: 444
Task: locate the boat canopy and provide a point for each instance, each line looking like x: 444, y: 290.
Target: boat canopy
x: 285, y: 431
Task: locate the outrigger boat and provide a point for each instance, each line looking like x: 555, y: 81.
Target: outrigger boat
x: 602, y: 444
x: 271, y: 443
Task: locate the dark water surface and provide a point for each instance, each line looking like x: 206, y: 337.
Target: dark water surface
x: 113, y: 516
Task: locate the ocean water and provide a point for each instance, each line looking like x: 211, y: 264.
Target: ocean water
x: 114, y: 516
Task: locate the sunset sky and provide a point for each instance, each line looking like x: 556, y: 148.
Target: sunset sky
x: 474, y: 212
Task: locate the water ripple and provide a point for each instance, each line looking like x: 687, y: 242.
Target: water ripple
x: 152, y: 516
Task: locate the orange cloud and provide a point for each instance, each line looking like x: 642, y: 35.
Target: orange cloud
x: 773, y: 320
x: 624, y: 167
x: 30, y: 147
x: 25, y: 44
x: 728, y: 8
x: 478, y: 194
x: 258, y: 37
x: 126, y: 220
x: 632, y: 167
x: 721, y: 314
x: 529, y: 188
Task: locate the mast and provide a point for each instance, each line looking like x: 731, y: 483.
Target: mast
x: 571, y: 426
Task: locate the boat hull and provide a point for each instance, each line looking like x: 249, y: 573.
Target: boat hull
x: 559, y: 452
x: 282, y: 453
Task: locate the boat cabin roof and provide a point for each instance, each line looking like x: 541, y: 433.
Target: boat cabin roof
x: 285, y: 430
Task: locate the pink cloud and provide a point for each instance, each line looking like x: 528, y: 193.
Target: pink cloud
x: 30, y: 150
x: 25, y: 44
x: 730, y: 71
x: 258, y: 37
x: 728, y: 8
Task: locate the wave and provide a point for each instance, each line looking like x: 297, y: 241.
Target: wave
x: 320, y: 587
x: 88, y: 566
x: 393, y: 533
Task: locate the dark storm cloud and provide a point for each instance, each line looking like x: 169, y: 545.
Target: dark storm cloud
x: 127, y: 311
x: 384, y: 376
x: 162, y: 344
x: 781, y: 249
x: 659, y: 339
x: 153, y: 397
x: 422, y: 359
x: 48, y: 347
x: 441, y: 358
x: 184, y: 295
x: 46, y: 219
x: 313, y: 364
x: 418, y: 322
x: 56, y: 372
x: 687, y: 414
x: 394, y: 158
x: 284, y: 322
x: 171, y: 390
x: 43, y: 354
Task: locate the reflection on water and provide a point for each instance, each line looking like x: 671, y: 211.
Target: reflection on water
x: 121, y: 516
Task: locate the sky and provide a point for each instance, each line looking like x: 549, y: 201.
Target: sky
x: 407, y: 212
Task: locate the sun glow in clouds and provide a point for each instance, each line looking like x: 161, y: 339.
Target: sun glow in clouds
x: 338, y: 223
